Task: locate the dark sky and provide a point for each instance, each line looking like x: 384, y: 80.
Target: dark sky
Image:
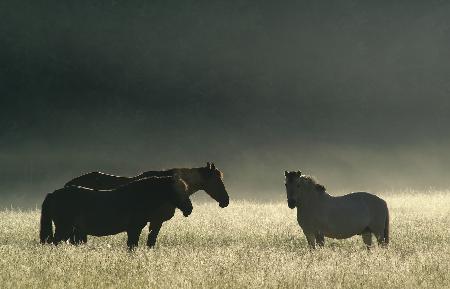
x: 353, y: 92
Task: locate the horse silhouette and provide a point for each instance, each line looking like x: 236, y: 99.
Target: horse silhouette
x: 208, y: 179
x: 127, y: 208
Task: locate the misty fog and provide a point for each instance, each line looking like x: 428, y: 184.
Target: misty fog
x: 355, y: 93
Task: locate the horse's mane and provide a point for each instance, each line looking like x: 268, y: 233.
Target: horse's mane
x: 201, y: 169
x: 168, y: 172
x: 311, y: 181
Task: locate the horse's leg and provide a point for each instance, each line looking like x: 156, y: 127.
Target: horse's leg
x: 320, y: 239
x: 133, y: 232
x: 311, y: 238
x: 78, y: 237
x: 154, y: 227
x: 379, y: 232
x: 367, y: 238
x: 133, y: 237
x: 83, y: 238
x: 381, y: 239
x: 74, y: 237
x: 62, y: 233
x: 58, y: 236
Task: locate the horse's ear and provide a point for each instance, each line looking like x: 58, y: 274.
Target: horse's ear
x: 208, y: 165
x: 286, y: 173
x: 213, y: 166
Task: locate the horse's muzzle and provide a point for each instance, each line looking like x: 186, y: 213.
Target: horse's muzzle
x: 224, y: 204
x: 291, y: 203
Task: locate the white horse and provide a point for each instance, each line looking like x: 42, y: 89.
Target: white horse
x: 320, y: 214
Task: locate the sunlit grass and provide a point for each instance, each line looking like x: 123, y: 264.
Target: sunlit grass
x: 244, y: 245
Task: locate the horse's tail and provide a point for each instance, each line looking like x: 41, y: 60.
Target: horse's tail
x: 386, y: 228
x: 46, y: 231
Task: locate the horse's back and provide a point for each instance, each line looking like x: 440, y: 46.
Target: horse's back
x: 365, y: 197
x: 98, y: 181
x: 147, y: 174
x: 375, y: 206
x: 370, y: 201
x: 344, y: 216
x: 102, y: 181
x: 369, y: 197
x: 77, y: 194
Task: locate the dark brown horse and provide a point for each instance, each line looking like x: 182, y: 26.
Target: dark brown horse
x: 208, y: 179
x: 127, y: 208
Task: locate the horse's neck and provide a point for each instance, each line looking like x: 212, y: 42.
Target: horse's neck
x: 193, y: 179
x: 310, y: 211
x: 314, y: 201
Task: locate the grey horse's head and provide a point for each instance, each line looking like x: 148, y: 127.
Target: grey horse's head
x: 299, y: 186
x: 291, y: 184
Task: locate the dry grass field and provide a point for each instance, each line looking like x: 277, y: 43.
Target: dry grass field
x: 247, y: 245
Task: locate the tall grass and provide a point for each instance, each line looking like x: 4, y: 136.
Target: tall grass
x: 246, y: 245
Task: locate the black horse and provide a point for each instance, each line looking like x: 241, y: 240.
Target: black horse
x: 208, y: 178
x: 127, y: 208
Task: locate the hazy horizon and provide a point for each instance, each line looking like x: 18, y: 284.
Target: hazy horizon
x: 354, y: 93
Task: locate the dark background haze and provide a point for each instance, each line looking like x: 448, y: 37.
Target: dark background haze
x: 355, y: 93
